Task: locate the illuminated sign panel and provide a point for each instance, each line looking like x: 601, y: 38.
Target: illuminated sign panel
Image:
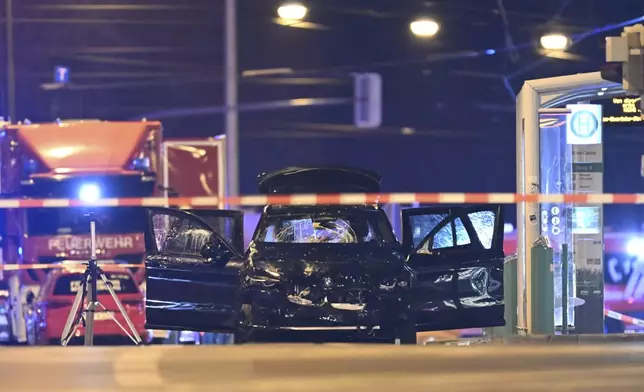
x: 584, y: 136
x: 583, y: 126
x: 624, y: 110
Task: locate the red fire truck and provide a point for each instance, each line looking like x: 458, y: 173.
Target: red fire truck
x: 90, y: 159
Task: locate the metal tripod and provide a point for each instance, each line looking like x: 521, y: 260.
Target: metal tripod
x: 89, y: 289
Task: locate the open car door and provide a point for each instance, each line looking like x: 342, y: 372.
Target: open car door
x: 191, y: 270
x: 456, y: 256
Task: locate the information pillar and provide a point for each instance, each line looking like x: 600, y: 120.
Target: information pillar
x: 584, y: 135
x: 555, y: 169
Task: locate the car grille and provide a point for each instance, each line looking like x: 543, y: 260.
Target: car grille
x: 313, y: 293
x: 318, y: 295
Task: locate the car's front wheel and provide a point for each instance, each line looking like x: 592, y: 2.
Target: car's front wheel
x: 402, y: 333
x: 244, y: 330
x: 406, y: 334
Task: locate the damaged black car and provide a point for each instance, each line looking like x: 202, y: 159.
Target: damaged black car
x: 325, y: 272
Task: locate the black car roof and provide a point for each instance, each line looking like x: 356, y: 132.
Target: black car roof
x: 320, y: 180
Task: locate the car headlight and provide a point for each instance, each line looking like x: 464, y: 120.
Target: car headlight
x: 391, y: 284
x: 388, y: 284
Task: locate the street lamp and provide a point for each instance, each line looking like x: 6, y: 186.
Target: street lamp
x: 292, y: 11
x: 424, y: 27
x: 554, y: 41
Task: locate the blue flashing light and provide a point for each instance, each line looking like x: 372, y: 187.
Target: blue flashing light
x: 635, y: 247
x: 490, y: 52
x: 142, y: 164
x: 89, y: 193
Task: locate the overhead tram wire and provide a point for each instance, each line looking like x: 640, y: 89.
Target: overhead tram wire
x: 460, y: 55
x: 465, y: 54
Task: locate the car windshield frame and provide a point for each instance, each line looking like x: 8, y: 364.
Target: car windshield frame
x: 377, y: 221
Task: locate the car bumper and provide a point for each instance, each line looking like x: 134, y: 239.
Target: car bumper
x: 274, y: 310
x: 102, y: 328
x: 304, y: 318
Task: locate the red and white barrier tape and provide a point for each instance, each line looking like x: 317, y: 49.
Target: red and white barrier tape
x: 624, y: 318
x: 338, y: 199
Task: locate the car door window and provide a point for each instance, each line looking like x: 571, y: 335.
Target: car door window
x: 228, y: 224
x: 421, y: 225
x: 462, y: 238
x: 223, y: 225
x: 453, y: 233
x: 178, y: 235
x: 443, y: 238
x: 483, y: 222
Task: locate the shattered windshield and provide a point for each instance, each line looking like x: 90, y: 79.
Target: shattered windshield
x: 316, y: 228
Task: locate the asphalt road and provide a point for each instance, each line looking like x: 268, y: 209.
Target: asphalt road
x: 286, y: 368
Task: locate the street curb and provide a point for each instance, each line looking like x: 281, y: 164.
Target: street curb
x: 572, y: 339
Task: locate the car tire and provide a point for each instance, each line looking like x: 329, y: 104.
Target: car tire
x: 406, y: 334
x: 241, y: 336
x: 244, y: 331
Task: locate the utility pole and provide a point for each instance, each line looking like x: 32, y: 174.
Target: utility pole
x: 231, y: 99
x: 11, y: 69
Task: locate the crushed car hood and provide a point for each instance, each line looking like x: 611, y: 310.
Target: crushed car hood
x: 355, y: 264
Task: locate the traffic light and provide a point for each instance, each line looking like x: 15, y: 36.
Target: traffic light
x: 628, y: 49
x: 368, y: 100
